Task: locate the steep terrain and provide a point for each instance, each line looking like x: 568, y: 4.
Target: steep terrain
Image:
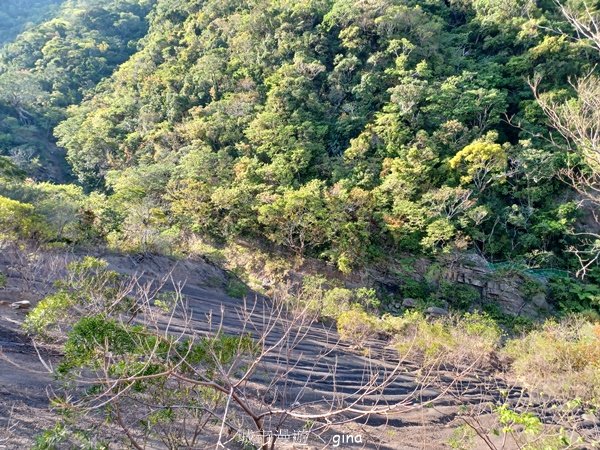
x: 342, y: 130
x: 394, y: 177
x: 26, y: 385
x: 17, y: 15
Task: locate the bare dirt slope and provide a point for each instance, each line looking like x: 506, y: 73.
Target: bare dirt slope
x: 25, y: 383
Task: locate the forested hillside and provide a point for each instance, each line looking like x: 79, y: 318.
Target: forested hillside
x: 424, y: 175
x: 17, y: 15
x: 53, y: 65
x: 339, y: 129
x: 349, y: 132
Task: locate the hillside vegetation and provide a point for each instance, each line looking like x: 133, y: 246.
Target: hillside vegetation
x: 345, y: 158
x: 349, y: 132
x: 17, y: 15
x: 53, y: 65
x: 338, y: 129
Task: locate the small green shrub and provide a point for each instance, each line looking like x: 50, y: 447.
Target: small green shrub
x: 367, y: 298
x: 415, y: 335
x: 236, y: 289
x: 326, y: 302
x: 335, y: 302
x: 90, y: 286
x: 514, y: 325
x: 3, y: 280
x: 356, y: 325
x: 570, y: 295
x: 48, y: 313
x: 470, y: 338
x: 21, y: 221
x: 418, y: 289
x: 459, y: 296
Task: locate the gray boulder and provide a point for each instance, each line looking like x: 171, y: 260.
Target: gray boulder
x: 436, y: 311
x: 539, y: 300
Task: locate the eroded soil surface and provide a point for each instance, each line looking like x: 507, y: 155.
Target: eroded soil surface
x: 25, y: 384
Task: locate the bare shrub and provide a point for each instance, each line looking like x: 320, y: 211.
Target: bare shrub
x: 145, y: 363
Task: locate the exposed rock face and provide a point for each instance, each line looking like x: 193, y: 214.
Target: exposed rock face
x: 590, y: 420
x: 540, y: 301
x: 506, y: 292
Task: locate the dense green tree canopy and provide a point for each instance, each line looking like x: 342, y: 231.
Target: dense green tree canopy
x: 339, y: 129
x: 55, y: 63
x: 335, y: 125
x: 17, y: 15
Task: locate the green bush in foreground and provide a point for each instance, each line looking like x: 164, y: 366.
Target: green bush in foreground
x: 89, y: 286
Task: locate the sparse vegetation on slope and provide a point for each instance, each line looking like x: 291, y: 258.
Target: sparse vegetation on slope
x: 409, y: 184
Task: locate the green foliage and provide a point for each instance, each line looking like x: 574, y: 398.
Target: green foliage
x: 463, y: 438
x: 510, y: 419
x: 514, y: 325
x: 334, y: 302
x: 458, y: 296
x: 417, y: 289
x: 63, y: 434
x: 8, y: 170
x: 329, y: 301
x: 16, y: 16
x: 90, y: 334
x: 356, y: 325
x: 20, y: 221
x: 47, y: 313
x: 220, y: 350
x: 480, y: 161
x: 90, y: 286
x: 236, y: 288
x: 49, y: 439
x: 61, y: 209
x: 66, y: 49
x: 333, y: 130
x: 166, y: 301
x: 575, y: 296
x: 367, y: 298
x: 296, y: 219
x: 470, y: 338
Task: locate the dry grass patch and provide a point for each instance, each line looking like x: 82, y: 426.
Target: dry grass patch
x: 467, y: 339
x: 561, y: 359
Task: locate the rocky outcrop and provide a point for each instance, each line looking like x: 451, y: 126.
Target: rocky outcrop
x: 409, y: 303
x: 505, y: 291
